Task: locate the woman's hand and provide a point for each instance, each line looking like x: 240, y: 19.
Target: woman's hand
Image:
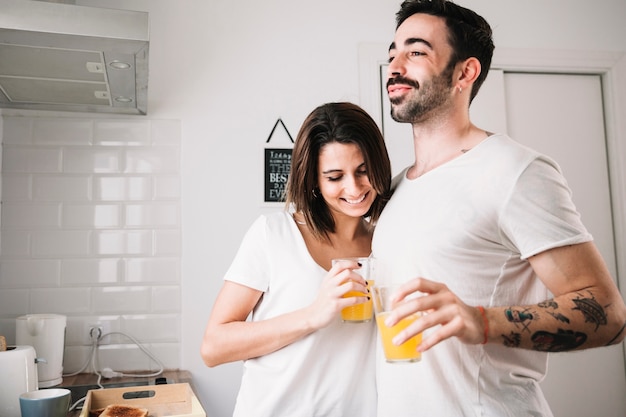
x: 330, y: 301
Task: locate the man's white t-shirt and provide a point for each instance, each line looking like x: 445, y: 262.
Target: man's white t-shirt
x: 470, y: 224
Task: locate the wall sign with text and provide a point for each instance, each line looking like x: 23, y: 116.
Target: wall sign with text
x: 277, y: 166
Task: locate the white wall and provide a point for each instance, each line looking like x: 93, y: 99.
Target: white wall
x: 227, y: 70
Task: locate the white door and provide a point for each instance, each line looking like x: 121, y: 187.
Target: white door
x: 560, y: 115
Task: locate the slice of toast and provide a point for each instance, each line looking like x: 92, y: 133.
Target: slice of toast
x: 121, y: 410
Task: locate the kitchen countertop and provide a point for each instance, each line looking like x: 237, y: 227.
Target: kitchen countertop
x: 79, y: 384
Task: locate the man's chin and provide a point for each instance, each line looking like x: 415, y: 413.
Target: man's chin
x: 399, y: 117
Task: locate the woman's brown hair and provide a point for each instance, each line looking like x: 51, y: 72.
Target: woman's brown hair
x: 344, y: 123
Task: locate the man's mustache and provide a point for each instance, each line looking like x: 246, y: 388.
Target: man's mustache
x: 402, y: 80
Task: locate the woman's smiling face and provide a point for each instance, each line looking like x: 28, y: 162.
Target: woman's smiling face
x: 343, y: 180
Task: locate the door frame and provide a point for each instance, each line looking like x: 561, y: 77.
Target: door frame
x: 610, y: 66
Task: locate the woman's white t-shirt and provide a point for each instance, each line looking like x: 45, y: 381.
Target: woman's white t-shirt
x: 330, y: 372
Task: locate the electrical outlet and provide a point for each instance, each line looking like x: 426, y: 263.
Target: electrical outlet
x: 95, y: 332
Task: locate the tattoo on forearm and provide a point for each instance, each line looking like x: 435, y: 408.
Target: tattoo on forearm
x: 549, y: 304
x: 553, y: 305
x: 562, y: 340
x: 512, y: 340
x: 519, y: 317
x: 559, y: 316
x: 591, y: 309
x: 557, y: 342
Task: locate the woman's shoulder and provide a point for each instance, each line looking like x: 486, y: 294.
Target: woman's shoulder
x: 278, y: 222
x: 277, y: 217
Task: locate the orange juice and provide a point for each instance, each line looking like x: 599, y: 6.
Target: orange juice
x: 406, y: 352
x: 358, y: 313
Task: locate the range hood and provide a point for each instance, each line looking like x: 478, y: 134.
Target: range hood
x: 63, y: 57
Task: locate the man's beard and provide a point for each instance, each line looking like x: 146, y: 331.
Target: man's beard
x: 422, y: 100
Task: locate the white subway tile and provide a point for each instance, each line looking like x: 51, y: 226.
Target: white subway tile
x: 166, y: 299
x: 154, y: 215
x: 78, y: 328
x: 164, y: 159
x: 153, y: 270
x: 91, y: 160
x: 167, y: 353
x: 15, y: 244
x: 7, y: 327
x: 139, y: 188
x: 167, y: 187
x: 127, y: 357
x: 13, y: 302
x: 30, y: 216
x: 62, y: 243
x: 31, y: 159
x: 30, y: 273
x: 121, y: 242
x: 16, y: 187
x: 139, y: 243
x: 78, y: 270
x: 62, y: 131
x: 110, y: 243
x: 167, y: 242
x: 109, y: 188
x: 119, y: 188
x: 75, y: 357
x: 76, y: 331
x: 17, y: 130
x: 99, y: 216
x: 60, y: 300
x: 121, y: 132
x: 108, y: 300
x: 61, y: 188
x: 153, y: 327
x: 92, y: 271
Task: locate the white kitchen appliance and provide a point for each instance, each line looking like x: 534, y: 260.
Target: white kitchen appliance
x: 19, y: 375
x: 46, y: 333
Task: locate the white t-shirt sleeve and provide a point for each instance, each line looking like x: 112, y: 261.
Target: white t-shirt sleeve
x: 540, y: 213
x: 250, y: 267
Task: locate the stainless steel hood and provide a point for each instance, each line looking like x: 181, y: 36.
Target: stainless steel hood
x: 65, y: 57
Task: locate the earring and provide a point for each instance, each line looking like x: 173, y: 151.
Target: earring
x: 314, y: 193
x: 460, y: 89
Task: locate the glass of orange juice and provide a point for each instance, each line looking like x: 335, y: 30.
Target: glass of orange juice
x: 406, y: 352
x: 363, y: 312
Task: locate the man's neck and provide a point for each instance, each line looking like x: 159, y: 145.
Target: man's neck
x: 436, y: 143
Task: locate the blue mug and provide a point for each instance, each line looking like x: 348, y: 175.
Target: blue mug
x: 49, y: 402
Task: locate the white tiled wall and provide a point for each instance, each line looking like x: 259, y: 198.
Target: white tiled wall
x: 90, y: 228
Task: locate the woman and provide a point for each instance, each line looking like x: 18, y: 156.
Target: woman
x: 300, y: 359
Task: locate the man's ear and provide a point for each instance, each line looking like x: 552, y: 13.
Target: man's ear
x: 467, y: 72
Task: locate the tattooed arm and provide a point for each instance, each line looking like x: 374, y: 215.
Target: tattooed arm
x: 587, y: 309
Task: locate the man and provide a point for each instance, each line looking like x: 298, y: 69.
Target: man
x: 487, y: 230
